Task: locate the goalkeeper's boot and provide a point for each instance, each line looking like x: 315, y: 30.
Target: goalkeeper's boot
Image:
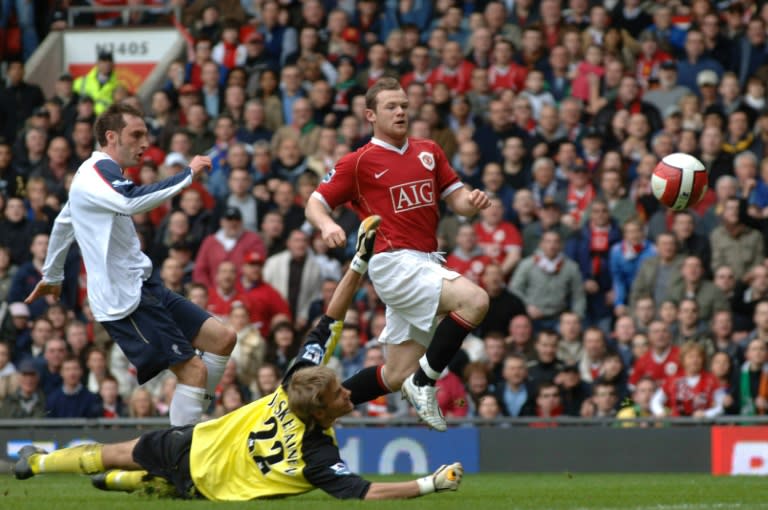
x: 23, y: 467
x: 130, y: 481
x: 424, y: 401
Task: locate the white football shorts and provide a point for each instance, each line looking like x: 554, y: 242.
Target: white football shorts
x: 409, y: 282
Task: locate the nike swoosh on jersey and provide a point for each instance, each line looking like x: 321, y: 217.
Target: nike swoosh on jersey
x: 379, y: 174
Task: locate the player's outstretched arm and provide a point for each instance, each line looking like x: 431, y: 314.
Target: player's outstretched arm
x: 446, y: 478
x: 467, y: 203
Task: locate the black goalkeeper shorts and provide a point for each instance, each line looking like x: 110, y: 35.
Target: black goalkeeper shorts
x: 165, y: 453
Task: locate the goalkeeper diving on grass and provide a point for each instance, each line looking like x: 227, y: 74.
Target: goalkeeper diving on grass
x: 280, y: 445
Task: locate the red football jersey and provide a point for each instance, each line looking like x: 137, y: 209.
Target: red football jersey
x: 511, y: 78
x: 498, y: 242
x: 400, y: 185
x: 684, y: 400
x: 646, y: 366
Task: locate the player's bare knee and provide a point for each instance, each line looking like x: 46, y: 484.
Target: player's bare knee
x: 474, y: 306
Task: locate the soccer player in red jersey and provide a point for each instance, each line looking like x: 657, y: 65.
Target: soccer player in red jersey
x: 400, y: 179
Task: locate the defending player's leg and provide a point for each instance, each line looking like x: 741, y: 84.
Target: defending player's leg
x: 216, y: 341
x: 83, y: 459
x: 466, y: 305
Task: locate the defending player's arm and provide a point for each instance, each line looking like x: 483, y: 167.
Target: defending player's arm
x: 325, y: 470
x: 322, y: 340
x: 62, y: 236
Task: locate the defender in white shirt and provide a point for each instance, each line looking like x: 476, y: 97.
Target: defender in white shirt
x: 156, y: 328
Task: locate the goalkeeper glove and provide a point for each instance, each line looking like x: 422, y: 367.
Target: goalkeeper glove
x: 446, y: 478
x: 366, y: 237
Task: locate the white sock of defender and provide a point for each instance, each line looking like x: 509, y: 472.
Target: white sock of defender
x: 216, y: 364
x: 431, y: 372
x: 187, y: 405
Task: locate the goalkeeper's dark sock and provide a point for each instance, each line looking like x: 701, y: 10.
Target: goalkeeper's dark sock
x: 367, y: 385
x: 449, y: 336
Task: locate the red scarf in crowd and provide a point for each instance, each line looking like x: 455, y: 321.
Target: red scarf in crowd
x: 598, y: 246
x: 578, y: 201
x: 631, y: 251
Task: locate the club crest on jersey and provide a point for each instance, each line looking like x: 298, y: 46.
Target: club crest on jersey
x: 428, y: 160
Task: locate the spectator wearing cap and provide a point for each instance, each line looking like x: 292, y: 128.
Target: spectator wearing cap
x: 27, y: 400
x: 231, y: 243
x: 267, y: 305
x: 695, y: 61
x: 18, y: 99
x: 99, y: 83
x: 295, y: 275
x: 669, y: 92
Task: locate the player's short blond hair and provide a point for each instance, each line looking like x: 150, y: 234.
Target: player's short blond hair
x: 305, y: 392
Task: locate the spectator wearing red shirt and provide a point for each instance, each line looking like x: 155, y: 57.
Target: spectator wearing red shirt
x: 695, y: 392
x: 453, y: 70
x: 231, y: 242
x: 420, y: 63
x: 548, y: 405
x: 499, y: 239
x: 266, y: 304
x: 468, y: 258
x: 504, y: 74
x: 649, y: 60
x: 225, y: 293
x: 452, y: 397
x: 661, y: 361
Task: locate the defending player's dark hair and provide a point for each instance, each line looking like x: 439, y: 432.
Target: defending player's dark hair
x: 386, y: 83
x: 112, y: 120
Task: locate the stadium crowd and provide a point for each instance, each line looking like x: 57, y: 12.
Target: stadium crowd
x: 602, y: 302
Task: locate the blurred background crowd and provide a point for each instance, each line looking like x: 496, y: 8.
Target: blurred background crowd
x: 602, y: 301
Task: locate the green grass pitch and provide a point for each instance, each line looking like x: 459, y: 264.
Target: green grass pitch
x: 478, y: 492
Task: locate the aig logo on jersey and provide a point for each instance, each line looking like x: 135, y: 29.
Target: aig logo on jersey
x: 412, y: 195
x: 428, y: 160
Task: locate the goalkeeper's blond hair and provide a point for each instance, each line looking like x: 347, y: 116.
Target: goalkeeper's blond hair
x: 305, y: 392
